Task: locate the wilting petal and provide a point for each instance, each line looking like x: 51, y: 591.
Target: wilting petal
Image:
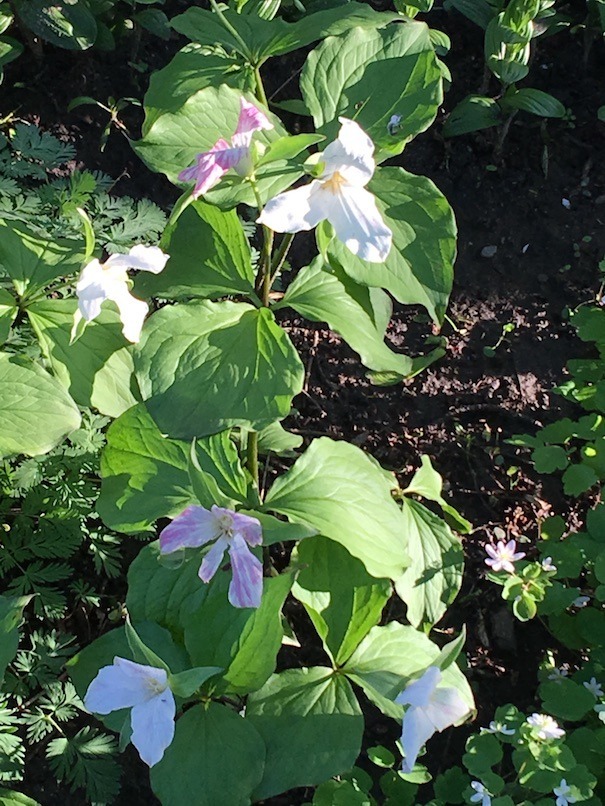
x: 123, y: 685
x: 446, y: 708
x: 350, y: 155
x: 417, y: 729
x: 246, y: 589
x: 132, y: 310
x: 153, y: 726
x: 140, y: 257
x: 295, y: 210
x: 250, y: 120
x: 212, y: 560
x: 358, y: 224
x: 192, y: 528
x: 211, y: 166
x: 249, y: 528
x: 419, y: 692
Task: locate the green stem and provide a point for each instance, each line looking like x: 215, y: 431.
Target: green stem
x: 227, y: 25
x: 252, y: 455
x: 260, y: 87
x: 282, y: 252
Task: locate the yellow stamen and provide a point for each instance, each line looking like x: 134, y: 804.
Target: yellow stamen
x: 334, y: 183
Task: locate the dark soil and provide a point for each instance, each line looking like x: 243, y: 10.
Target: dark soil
x: 462, y: 409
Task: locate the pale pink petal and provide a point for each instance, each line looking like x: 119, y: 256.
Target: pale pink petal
x: 212, y: 560
x: 192, y: 528
x: 122, y: 685
x: 446, y: 708
x: 420, y: 691
x: 153, y: 726
x: 250, y: 120
x: 350, y: 155
x: 295, y: 210
x: 417, y: 729
x: 249, y: 528
x: 246, y: 587
x: 211, y: 166
x: 489, y: 549
x: 358, y: 224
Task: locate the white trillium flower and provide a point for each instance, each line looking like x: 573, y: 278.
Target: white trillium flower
x: 100, y: 281
x: 595, y: 688
x: 338, y: 196
x: 563, y: 794
x: 432, y: 708
x: 545, y: 727
x: 481, y: 795
x: 145, y: 690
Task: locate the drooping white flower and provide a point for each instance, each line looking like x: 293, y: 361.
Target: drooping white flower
x: 502, y: 557
x: 144, y: 689
x: 100, y: 281
x: 340, y: 196
x: 231, y: 531
x: 499, y: 727
x: 481, y: 795
x: 548, y: 565
x: 545, y: 727
x: 563, y: 794
x: 595, y: 688
x: 432, y: 708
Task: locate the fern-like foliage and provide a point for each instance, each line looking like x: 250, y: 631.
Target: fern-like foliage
x: 87, y: 761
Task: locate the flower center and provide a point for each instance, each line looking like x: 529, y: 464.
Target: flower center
x: 225, y: 524
x: 155, y: 686
x: 334, y: 183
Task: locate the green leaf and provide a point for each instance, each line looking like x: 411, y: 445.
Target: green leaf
x: 155, y: 21
x: 8, y: 312
x: 355, y: 76
x: 65, y: 24
x: 36, y: 413
x: 428, y: 483
x: 578, y: 478
x: 209, y: 257
x: 535, y: 101
x: 508, y: 60
x: 483, y: 751
x: 289, y: 147
x: 326, y: 294
x: 11, y: 612
x: 342, y: 600
x: 312, y: 727
x: 389, y: 657
x: 145, y: 475
x: 322, y: 490
x: 471, y: 115
x: 97, y: 369
x: 548, y: 458
x: 450, y: 652
x: 140, y: 651
x: 210, y: 741
x: 10, y: 49
x: 175, y: 138
x: 185, y: 684
x: 566, y: 699
x: 275, y: 439
x: 208, y: 366
x: 10, y: 798
x: 276, y: 531
x: 32, y: 261
x: 419, y: 268
x: 481, y: 12
x: 433, y: 579
x: 243, y: 641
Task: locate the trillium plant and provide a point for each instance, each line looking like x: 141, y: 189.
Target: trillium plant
x: 186, y: 346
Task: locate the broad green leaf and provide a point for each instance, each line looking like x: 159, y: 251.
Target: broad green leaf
x: 10, y: 798
x: 275, y: 439
x: 505, y: 55
x: 549, y: 458
x: 10, y: 49
x: 207, y: 366
x: 216, y: 759
x: 243, y: 641
x: 11, y: 611
x: 481, y: 12
x: 371, y: 75
x: 312, y: 727
x: 193, y: 68
x: 97, y: 369
x: 35, y: 410
x: 145, y: 475
x: 346, y: 496
x: 8, y: 312
x: 276, y: 531
x: 209, y: 257
x: 472, y: 114
x: 174, y: 140
x: 343, y: 601
x: 535, y: 101
x: 578, y: 478
x: 185, y: 684
x: 67, y: 25
x: 566, y: 699
x: 433, y: 580
x: 32, y: 260
x: 326, y: 294
x: 258, y: 39
x: 389, y: 657
x: 428, y: 483
x: 419, y: 268
x: 289, y: 147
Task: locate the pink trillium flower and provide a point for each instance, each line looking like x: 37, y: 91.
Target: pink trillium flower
x: 143, y: 689
x: 432, y: 708
x: 211, y: 166
x: 503, y: 556
x: 233, y: 532
x: 109, y: 280
x: 340, y: 196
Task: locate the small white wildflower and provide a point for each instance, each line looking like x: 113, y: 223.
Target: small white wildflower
x: 563, y: 794
x: 502, y: 557
x: 548, y: 565
x: 499, y: 727
x: 558, y: 673
x: 594, y: 687
x: 545, y: 727
x: 482, y: 795
x: 581, y: 601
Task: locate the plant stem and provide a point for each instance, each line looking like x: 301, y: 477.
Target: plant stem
x: 282, y: 252
x: 260, y: 88
x: 252, y: 455
x: 227, y: 25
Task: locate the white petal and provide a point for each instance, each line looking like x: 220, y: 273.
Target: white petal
x: 446, y: 708
x: 153, y: 726
x: 91, y: 289
x: 122, y: 685
x: 417, y: 730
x: 350, y: 155
x: 358, y: 224
x: 295, y: 210
x: 132, y: 310
x: 419, y: 692
x: 141, y: 258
